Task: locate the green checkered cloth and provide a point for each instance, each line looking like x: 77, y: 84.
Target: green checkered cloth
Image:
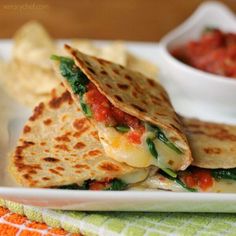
x: 130, y: 224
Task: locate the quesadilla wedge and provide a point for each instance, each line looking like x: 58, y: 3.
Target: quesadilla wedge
x: 214, y: 167
x: 60, y: 148
x: 135, y: 120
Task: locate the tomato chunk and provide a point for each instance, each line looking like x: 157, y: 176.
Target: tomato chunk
x: 199, y: 178
x: 98, y: 185
x: 104, y: 111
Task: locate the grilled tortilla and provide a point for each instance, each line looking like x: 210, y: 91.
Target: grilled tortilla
x: 59, y: 146
x: 136, y: 101
x: 213, y: 145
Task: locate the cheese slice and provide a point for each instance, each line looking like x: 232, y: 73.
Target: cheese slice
x: 118, y: 147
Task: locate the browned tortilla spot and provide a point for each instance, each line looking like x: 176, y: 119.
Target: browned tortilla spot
x: 108, y: 166
x: 123, y: 86
x: 46, y: 178
x: 91, y: 70
x: 101, y: 61
x: 109, y: 86
x: 27, y: 129
x: 32, y: 172
x: 62, y: 147
x: 116, y: 71
x: 64, y: 137
x: 82, y: 166
x: 118, y: 98
x: 95, y: 135
x: 27, y: 176
x: 103, y: 72
x: 79, y: 145
x: 55, y: 172
x: 56, y: 103
x: 82, y: 125
x: 38, y: 111
x: 151, y: 82
x: 50, y: 159
x: 60, y: 168
x: 94, y: 152
x: 212, y: 150
x: 47, y: 121
x: 134, y: 93
x: 170, y: 162
x: 139, y: 108
x: 128, y: 78
x: 42, y: 143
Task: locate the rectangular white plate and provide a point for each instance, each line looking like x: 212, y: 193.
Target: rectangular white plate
x: 12, y: 118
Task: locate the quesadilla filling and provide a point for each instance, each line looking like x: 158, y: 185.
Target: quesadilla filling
x: 125, y: 138
x: 193, y: 179
x: 113, y: 185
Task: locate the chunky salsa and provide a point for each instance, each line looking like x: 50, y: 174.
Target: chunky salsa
x: 214, y: 52
x: 104, y: 111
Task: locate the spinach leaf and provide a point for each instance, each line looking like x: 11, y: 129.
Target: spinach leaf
x: 169, y: 172
x: 84, y: 186
x: 224, y: 173
x: 122, y: 128
x: 152, y: 148
x: 178, y: 181
x: 153, y: 151
x: 116, y: 185
x: 76, y: 78
x: 162, y: 137
x: 85, y: 107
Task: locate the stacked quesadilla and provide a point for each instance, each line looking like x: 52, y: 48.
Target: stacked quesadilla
x: 214, y: 160
x: 108, y: 128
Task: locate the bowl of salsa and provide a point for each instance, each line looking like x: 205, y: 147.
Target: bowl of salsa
x: 198, y: 64
x: 213, y: 52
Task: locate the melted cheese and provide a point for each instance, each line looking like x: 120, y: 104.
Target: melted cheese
x: 135, y: 177
x: 118, y: 147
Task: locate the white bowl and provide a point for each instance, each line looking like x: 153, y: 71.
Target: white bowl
x: 195, y: 93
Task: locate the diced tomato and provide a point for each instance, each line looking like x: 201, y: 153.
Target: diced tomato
x: 199, y: 178
x: 205, y: 180
x: 190, y: 181
x: 214, y: 52
x: 98, y: 185
x: 135, y: 135
x: 104, y: 111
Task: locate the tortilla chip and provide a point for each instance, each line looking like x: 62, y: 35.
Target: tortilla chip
x: 33, y: 45
x: 59, y: 146
x: 86, y: 46
x: 114, y: 52
x: 213, y: 145
x: 141, y: 65
x: 33, y: 78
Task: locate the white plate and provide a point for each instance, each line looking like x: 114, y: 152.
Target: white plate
x: 12, y: 117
